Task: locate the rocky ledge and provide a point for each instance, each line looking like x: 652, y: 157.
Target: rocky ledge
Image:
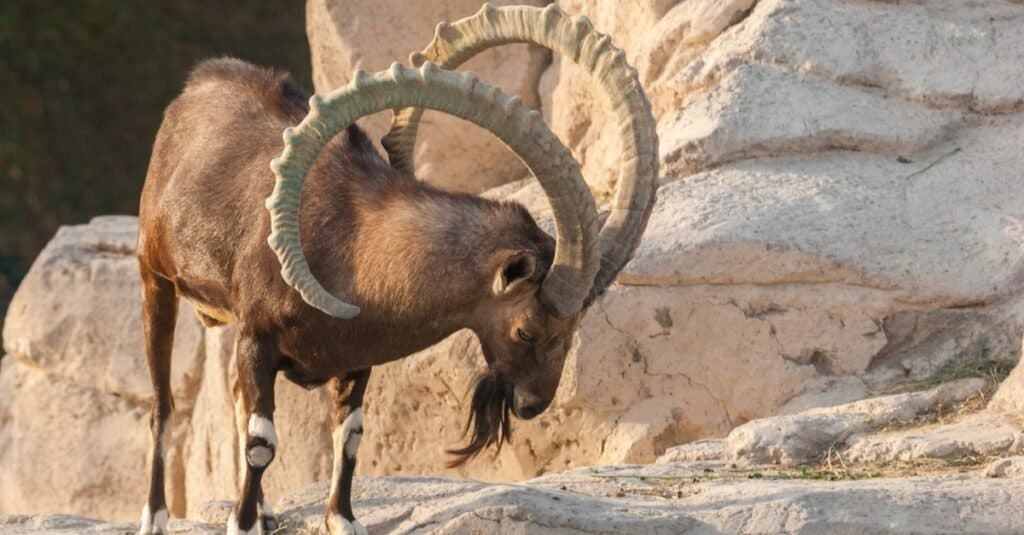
x: 695, y: 497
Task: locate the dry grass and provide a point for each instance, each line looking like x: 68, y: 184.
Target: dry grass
x: 975, y: 361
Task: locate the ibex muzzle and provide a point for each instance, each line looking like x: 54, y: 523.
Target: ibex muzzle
x: 373, y: 265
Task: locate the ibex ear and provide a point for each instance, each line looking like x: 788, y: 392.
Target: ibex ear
x: 516, y: 272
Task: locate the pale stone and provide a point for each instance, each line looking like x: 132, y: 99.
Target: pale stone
x: 212, y: 466
x: 67, y: 447
x: 77, y: 392
x: 451, y: 153
x: 631, y: 499
x: 82, y: 284
x: 849, y: 218
x: 699, y: 450
x: 827, y: 391
x: 658, y: 37
x: 979, y: 435
x: 786, y: 275
x: 944, y: 54
x: 51, y: 524
x: 1010, y: 467
x: 435, y: 505
x: 1010, y: 395
x: 803, y: 437
x: 757, y: 111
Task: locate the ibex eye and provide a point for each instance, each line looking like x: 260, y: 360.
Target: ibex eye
x: 524, y: 336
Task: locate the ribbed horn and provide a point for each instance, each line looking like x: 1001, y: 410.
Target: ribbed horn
x: 461, y: 95
x: 576, y: 39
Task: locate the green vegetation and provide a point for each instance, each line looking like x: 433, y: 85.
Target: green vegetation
x: 85, y: 83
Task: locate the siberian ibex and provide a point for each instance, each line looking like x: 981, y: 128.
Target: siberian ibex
x: 414, y: 263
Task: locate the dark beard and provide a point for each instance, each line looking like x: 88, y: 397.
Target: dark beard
x: 489, y: 418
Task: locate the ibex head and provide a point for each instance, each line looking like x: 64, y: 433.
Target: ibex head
x: 540, y: 292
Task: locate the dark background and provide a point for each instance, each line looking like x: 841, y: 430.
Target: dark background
x: 85, y: 83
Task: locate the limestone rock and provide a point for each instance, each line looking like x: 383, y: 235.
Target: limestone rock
x: 832, y: 220
x: 72, y: 525
x: 212, y: 463
x: 1010, y: 396
x: 1010, y: 467
x: 659, y: 37
x: 84, y: 283
x: 802, y: 437
x: 712, y: 449
x: 75, y: 403
x: 979, y: 435
x: 65, y: 447
x: 451, y: 153
x: 644, y: 499
x: 435, y: 505
x: 933, y: 61
x: 839, y: 212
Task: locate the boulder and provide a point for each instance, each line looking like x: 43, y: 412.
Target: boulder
x: 659, y: 37
x: 1010, y: 396
x: 451, y: 153
x: 1010, y: 467
x: 803, y: 437
x: 74, y: 386
x: 979, y: 436
x: 82, y: 288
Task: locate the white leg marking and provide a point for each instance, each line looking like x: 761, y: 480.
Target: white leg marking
x: 337, y: 525
x: 260, y: 456
x: 346, y: 443
x: 233, y: 529
x: 151, y: 524
x: 352, y: 430
x: 260, y: 426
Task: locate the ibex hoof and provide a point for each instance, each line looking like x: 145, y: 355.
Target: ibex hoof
x: 153, y: 523
x: 258, y: 527
x: 338, y: 525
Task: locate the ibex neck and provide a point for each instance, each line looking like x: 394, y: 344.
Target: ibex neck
x: 423, y: 255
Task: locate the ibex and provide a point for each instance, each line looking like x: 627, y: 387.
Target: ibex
x: 414, y: 263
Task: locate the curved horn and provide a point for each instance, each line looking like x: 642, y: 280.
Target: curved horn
x: 461, y: 95
x: 575, y: 38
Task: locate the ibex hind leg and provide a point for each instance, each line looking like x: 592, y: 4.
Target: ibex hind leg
x: 348, y: 431
x: 256, y: 361
x: 159, y: 314
x: 268, y: 519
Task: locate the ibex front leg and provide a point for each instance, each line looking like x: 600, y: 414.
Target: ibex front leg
x: 348, y: 430
x: 256, y: 360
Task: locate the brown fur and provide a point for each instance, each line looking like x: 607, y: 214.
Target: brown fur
x: 421, y: 263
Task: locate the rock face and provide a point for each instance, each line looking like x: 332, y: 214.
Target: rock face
x: 839, y: 212
x: 74, y: 386
x: 882, y: 431
x: 454, y: 154
x: 802, y: 437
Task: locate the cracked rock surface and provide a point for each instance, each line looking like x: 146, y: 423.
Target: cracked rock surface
x: 839, y: 212
x: 633, y: 499
x: 451, y: 153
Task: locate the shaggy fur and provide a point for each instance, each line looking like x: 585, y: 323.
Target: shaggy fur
x: 490, y: 416
x: 421, y: 263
